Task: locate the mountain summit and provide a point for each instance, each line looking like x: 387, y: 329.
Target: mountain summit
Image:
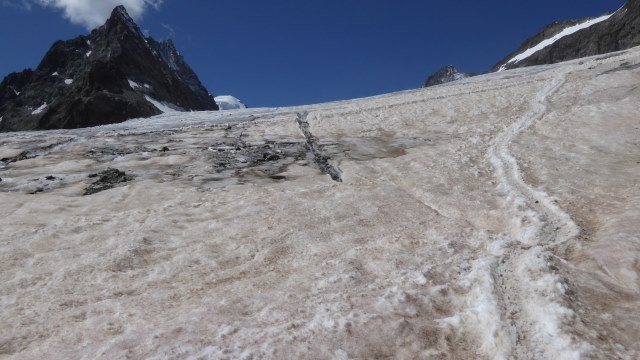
x: 112, y: 75
x: 446, y: 74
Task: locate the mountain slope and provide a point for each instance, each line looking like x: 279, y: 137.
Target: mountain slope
x: 495, y: 218
x: 109, y: 76
x: 586, y: 37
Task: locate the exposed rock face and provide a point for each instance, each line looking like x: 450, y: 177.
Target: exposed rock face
x: 621, y: 31
x: 447, y: 74
x: 106, y: 77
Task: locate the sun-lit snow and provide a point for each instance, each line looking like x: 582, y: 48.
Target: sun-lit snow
x: 39, y: 109
x: 473, y: 221
x: 548, y: 42
x: 228, y: 102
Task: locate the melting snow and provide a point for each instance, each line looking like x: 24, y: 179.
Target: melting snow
x: 548, y: 42
x: 165, y: 107
x: 40, y: 109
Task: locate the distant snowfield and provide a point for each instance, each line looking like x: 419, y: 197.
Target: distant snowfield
x: 494, y: 217
x: 228, y: 102
x: 548, y: 42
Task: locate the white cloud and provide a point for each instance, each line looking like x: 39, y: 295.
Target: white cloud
x: 17, y: 4
x: 93, y: 13
x: 170, y: 30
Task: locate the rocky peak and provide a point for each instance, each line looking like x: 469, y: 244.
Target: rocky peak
x: 446, y: 74
x: 109, y: 76
x: 120, y: 16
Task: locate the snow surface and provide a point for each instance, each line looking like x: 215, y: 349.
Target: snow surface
x: 164, y: 106
x: 40, y: 109
x: 55, y: 74
x: 548, y: 42
x: 89, y: 53
x: 68, y: 81
x: 228, y: 102
x: 474, y: 220
x: 134, y: 85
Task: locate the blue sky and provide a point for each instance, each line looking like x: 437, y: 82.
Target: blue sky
x: 291, y: 52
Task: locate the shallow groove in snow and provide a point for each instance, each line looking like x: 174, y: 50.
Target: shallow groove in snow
x: 529, y: 294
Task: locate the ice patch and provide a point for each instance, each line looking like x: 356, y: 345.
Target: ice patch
x: 68, y: 81
x: 40, y: 109
x: 165, y: 107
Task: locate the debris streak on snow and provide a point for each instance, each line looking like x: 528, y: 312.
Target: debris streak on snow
x: 494, y: 218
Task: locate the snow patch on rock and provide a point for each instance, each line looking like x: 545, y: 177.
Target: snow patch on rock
x: 548, y: 42
x: 164, y: 106
x: 40, y: 109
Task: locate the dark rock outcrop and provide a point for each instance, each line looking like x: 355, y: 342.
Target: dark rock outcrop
x: 619, y: 32
x: 446, y: 74
x: 105, y: 77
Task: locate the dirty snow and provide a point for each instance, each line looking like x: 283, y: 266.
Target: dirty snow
x: 490, y: 219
